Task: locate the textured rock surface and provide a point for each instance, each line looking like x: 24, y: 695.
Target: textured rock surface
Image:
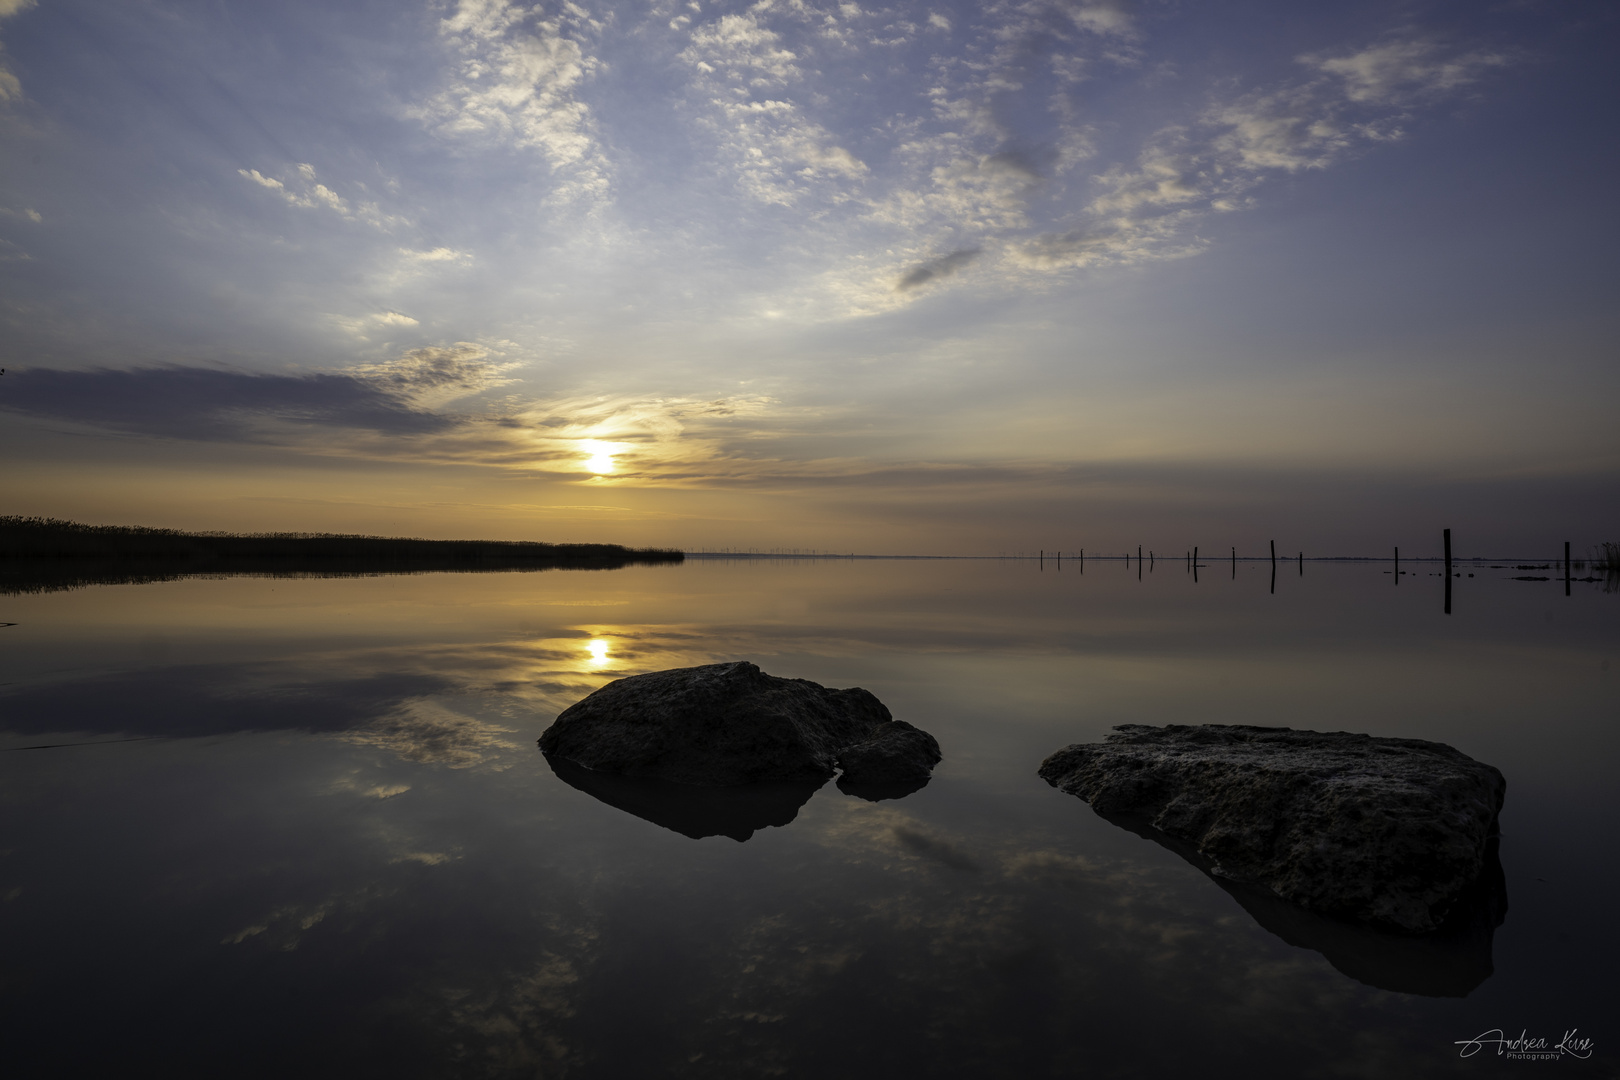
x: 1388, y: 832
x: 1450, y: 962
x: 900, y: 755
x: 727, y: 724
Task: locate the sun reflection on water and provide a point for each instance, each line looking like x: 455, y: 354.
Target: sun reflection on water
x: 598, y: 648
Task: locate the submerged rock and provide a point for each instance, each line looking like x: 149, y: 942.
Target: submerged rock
x: 722, y: 725
x: 1390, y: 833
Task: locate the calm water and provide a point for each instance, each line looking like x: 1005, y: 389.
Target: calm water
x: 335, y: 850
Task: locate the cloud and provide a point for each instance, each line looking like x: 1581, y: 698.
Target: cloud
x: 738, y: 48
x: 232, y: 406
x: 401, y: 410
x: 10, y: 85
x: 742, y: 84
x: 310, y: 193
x: 1397, y: 71
x: 394, y: 318
x: 518, y: 86
x: 1211, y: 164
x: 263, y: 181
x: 996, y: 165
x: 935, y: 269
x: 437, y: 255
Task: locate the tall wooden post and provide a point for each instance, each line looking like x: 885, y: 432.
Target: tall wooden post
x: 1448, y: 571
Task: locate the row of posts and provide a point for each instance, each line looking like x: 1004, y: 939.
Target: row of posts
x: 1193, y: 564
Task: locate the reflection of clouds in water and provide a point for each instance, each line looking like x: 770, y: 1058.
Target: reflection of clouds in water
x: 284, y: 927
x: 520, y: 1024
x: 426, y: 731
x: 995, y: 962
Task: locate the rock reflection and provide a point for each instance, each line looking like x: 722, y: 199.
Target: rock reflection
x: 737, y: 812
x: 1450, y: 962
x: 875, y: 792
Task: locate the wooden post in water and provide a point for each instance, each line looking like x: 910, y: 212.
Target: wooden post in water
x: 1566, y: 567
x: 1234, y: 564
x: 1302, y: 564
x: 1274, y: 556
x: 1448, y: 571
x: 1398, y: 566
x: 1138, y: 562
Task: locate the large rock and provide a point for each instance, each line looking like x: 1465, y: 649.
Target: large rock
x: 723, y: 725
x: 1386, y: 832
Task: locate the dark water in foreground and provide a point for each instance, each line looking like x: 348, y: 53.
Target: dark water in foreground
x: 341, y: 854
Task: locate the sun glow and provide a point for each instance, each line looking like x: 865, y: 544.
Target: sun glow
x: 600, y: 456
x: 598, y: 648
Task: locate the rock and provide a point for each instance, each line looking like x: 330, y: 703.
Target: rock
x: 1450, y: 962
x: 897, y: 762
x: 722, y: 725
x: 900, y: 754
x: 1390, y: 833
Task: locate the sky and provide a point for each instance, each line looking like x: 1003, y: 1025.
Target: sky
x: 938, y: 278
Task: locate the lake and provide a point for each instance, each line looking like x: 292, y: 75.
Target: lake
x: 311, y: 833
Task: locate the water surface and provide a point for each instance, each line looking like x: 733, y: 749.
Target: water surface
x: 313, y: 835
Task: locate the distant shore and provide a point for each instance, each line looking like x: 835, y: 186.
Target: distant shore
x: 45, y: 554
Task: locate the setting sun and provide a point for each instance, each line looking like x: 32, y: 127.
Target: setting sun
x: 600, y: 460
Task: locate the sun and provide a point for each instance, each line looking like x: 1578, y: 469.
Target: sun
x: 600, y: 460
x: 598, y: 648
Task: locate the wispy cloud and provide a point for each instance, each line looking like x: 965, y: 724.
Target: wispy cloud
x: 10, y: 86
x: 518, y: 85
x: 1399, y: 71
x: 1212, y: 163
x: 747, y: 84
